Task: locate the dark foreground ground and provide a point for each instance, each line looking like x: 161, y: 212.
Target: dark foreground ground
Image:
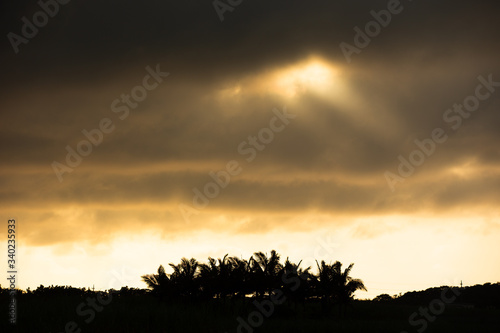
x: 145, y: 313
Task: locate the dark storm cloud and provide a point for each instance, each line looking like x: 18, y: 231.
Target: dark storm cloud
x: 85, y: 37
x: 329, y: 159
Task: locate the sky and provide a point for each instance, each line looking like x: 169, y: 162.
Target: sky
x: 137, y: 133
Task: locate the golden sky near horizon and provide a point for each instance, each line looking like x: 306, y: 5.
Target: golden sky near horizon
x: 261, y: 136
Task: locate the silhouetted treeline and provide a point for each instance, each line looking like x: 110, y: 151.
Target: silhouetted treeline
x: 486, y: 295
x: 213, y: 296
x: 259, y: 276
x: 68, y: 291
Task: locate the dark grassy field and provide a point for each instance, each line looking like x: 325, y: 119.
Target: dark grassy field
x: 145, y: 313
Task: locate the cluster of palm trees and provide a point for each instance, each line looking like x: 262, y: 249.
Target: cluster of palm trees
x: 259, y: 276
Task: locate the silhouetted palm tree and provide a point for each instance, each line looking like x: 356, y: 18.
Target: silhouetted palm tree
x: 266, y: 271
x: 239, y: 280
x: 347, y: 285
x: 210, y: 279
x: 215, y: 277
x: 337, y: 286
x: 325, y: 284
x: 159, y: 283
x: 296, y: 282
x: 184, y: 277
x: 225, y: 270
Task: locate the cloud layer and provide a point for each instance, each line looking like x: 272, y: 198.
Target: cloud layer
x: 329, y: 160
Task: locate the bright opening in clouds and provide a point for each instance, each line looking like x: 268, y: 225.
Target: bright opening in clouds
x: 311, y: 76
